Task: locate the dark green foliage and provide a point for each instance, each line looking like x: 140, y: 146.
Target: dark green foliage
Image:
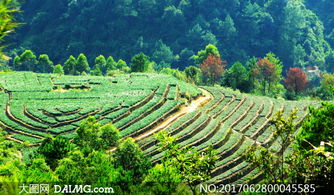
x: 58, y: 69
x: 82, y: 64
x: 192, y: 166
x: 93, y: 136
x: 69, y: 65
x: 141, y: 63
x: 240, y: 29
x: 237, y: 77
x: 44, y: 64
x: 26, y: 61
x: 132, y: 160
x: 318, y: 126
x: 193, y: 74
x: 54, y: 149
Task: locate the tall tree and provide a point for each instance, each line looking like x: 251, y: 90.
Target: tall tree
x: 69, y: 65
x: 268, y: 72
x: 212, y: 68
x: 111, y: 64
x: 237, y: 77
x: 204, y: 54
x: 44, y: 64
x: 82, y: 64
x: 101, y: 64
x: 58, y: 69
x: 295, y: 80
x: 194, y: 74
x: 27, y: 61
x: 141, y: 63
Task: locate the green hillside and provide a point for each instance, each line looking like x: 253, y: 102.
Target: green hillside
x: 36, y: 105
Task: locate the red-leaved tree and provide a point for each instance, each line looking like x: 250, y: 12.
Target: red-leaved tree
x: 264, y: 71
x: 295, y: 80
x: 212, y: 68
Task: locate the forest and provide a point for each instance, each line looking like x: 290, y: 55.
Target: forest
x: 167, y: 97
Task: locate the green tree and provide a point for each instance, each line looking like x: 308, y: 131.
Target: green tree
x: 82, y: 64
x: 129, y: 156
x: 96, y: 71
x: 45, y: 65
x: 318, y: 126
x: 27, y: 61
x: 268, y: 72
x: 203, y: 54
x: 58, y: 69
x: 141, y: 63
x: 163, y: 179
x: 122, y: 66
x: 111, y: 64
x: 100, y: 64
x: 69, y: 65
x: 54, y: 149
x: 193, y: 74
x: 108, y: 136
x: 193, y: 166
x: 8, y: 8
x: 163, y: 55
x: 272, y: 163
x: 237, y: 77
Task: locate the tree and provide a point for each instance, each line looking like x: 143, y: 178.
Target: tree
x: 193, y: 166
x: 163, y: 179
x: 134, y: 163
x: 82, y: 64
x: 271, y: 163
x: 237, y: 77
x: 212, y: 68
x: 327, y: 83
x: 295, y: 80
x: 8, y: 24
x: 54, y: 149
x: 58, y: 69
x: 45, y: 65
x: 109, y: 136
x: 27, y: 61
x: 204, y: 54
x: 193, y: 74
x: 96, y: 71
x: 111, y: 64
x: 141, y: 63
x: 318, y: 126
x: 122, y: 66
x: 268, y: 72
x: 92, y: 136
x: 69, y: 65
x: 163, y: 55
x: 100, y: 64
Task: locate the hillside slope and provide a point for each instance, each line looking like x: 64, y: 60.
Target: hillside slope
x: 35, y: 105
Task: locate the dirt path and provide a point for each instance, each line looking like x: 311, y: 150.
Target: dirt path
x: 183, y: 111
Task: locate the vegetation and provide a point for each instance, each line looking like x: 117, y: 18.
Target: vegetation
x: 146, y: 128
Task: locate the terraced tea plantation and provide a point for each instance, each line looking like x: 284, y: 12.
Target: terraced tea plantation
x: 35, y: 105
x: 230, y: 122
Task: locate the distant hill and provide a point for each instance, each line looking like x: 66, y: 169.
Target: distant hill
x: 172, y: 31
